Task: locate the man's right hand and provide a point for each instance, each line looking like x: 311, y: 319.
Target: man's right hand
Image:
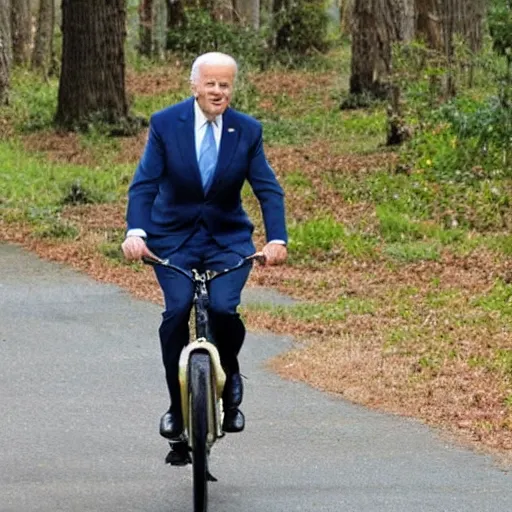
x: 134, y: 248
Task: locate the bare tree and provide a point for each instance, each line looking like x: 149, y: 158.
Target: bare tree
x: 43, y: 46
x: 92, y: 81
x: 5, y: 49
x: 21, y: 31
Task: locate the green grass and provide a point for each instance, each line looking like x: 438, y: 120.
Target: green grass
x: 498, y: 300
x: 354, y: 131
x: 30, y: 181
x: 298, y: 180
x: 412, y: 207
x: 499, y: 242
x: 397, y: 227
x: 52, y: 226
x: 439, y: 299
x: 398, y: 238
x: 146, y: 105
x: 503, y: 361
x: 326, y: 237
x: 410, y: 252
x: 325, y: 311
x: 316, y: 234
x: 33, y: 101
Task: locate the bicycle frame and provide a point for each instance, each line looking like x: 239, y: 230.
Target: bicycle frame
x: 202, y: 343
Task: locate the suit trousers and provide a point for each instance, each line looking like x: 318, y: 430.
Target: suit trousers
x: 201, y: 252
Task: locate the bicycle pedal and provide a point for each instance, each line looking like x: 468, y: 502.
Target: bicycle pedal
x: 177, y: 459
x: 179, y: 455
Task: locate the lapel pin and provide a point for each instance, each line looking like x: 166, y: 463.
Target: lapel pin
x: 231, y: 130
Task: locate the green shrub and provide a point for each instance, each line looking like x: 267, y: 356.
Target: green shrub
x: 301, y: 28
x: 200, y: 33
x: 500, y: 26
x: 468, y: 139
x: 464, y: 141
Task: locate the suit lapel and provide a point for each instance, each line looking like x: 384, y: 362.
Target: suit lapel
x: 228, y: 145
x: 187, y: 141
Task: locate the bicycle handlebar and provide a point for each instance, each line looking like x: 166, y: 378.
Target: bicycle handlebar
x: 155, y: 260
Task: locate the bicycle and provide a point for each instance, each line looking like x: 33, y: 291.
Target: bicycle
x: 202, y: 380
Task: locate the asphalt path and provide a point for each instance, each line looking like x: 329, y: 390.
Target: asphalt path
x: 82, y: 390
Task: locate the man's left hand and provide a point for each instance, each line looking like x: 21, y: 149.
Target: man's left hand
x: 275, y: 253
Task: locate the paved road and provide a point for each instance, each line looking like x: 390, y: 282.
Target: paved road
x: 81, y: 392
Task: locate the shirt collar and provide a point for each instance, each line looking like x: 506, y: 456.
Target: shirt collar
x: 200, y: 119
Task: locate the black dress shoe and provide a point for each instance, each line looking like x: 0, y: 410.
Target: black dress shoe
x: 171, y: 425
x: 234, y: 420
x: 233, y: 391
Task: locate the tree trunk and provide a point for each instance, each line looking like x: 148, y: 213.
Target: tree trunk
x: 364, y: 48
x: 448, y: 15
x: 468, y: 21
x: 153, y: 22
x: 346, y: 10
x: 247, y: 13
x: 145, y: 27
x: 175, y: 14
x: 377, y: 24
x: 21, y: 30
x: 43, y: 48
x: 92, y: 81
x: 465, y: 18
x: 429, y: 23
x: 159, y: 28
x: 5, y: 50
x: 224, y: 10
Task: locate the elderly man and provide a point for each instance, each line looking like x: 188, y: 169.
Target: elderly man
x: 185, y: 205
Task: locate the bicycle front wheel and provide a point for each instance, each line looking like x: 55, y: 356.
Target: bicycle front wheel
x: 199, y: 382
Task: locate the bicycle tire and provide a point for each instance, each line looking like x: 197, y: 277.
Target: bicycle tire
x: 199, y: 380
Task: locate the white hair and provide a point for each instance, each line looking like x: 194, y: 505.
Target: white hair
x: 214, y: 59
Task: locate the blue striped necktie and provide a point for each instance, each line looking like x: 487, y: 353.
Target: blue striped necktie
x: 207, y: 157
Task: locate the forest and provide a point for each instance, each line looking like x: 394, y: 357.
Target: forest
x: 389, y: 125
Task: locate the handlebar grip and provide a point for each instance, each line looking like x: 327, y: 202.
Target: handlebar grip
x: 149, y: 261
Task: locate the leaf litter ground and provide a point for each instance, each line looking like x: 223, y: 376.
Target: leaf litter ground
x: 409, y: 338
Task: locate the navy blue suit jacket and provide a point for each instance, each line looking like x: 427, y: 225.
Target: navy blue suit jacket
x: 166, y: 197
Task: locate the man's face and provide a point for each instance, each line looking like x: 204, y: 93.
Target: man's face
x: 214, y: 89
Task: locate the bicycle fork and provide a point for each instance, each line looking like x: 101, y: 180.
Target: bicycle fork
x: 218, y: 376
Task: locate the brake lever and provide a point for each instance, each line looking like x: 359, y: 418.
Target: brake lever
x: 259, y: 257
